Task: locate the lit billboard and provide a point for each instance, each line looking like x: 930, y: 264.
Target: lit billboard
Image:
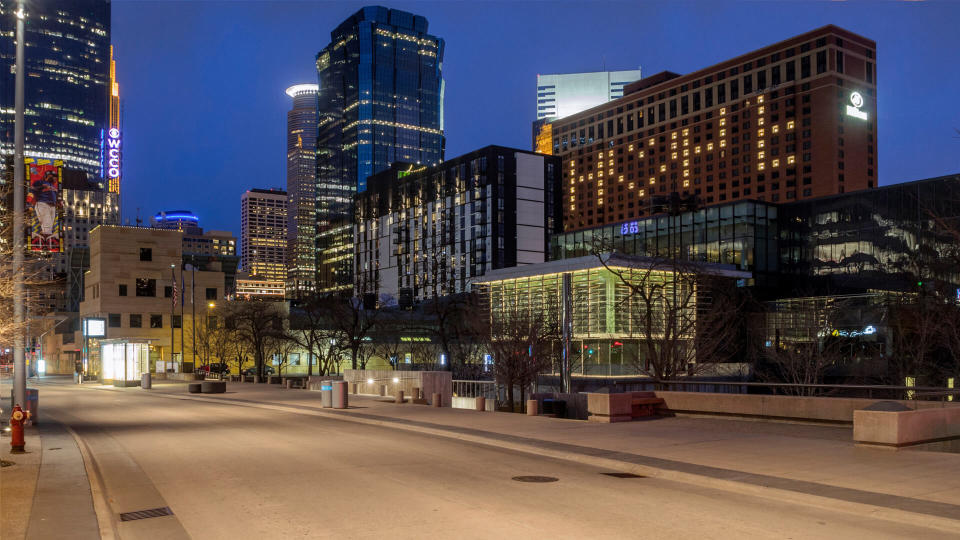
x: 44, y: 205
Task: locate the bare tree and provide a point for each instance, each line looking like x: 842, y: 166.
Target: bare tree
x: 682, y: 313
x: 461, y: 331
x: 257, y: 324
x: 312, y: 328
x: 353, y: 323
x: 522, y: 347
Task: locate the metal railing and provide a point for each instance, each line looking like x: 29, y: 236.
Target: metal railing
x: 869, y: 391
x: 491, y: 390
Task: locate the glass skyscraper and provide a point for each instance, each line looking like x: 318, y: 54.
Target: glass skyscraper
x: 67, y: 83
x: 380, y: 102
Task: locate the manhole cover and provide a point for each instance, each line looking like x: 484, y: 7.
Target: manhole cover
x: 5, y: 463
x: 622, y: 475
x: 144, y: 514
x: 535, y: 479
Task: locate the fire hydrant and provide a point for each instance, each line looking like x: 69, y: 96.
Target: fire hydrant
x: 17, y: 420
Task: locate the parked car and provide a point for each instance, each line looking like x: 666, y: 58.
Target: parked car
x: 216, y: 367
x: 267, y: 370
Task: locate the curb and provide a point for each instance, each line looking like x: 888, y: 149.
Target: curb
x: 101, y: 507
x: 918, y: 519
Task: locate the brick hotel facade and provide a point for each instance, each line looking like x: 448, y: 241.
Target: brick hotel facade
x: 789, y: 121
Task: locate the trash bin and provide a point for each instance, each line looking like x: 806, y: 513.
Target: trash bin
x: 547, y: 406
x: 145, y: 381
x: 32, y: 400
x: 560, y: 408
x: 340, y: 395
x: 326, y: 394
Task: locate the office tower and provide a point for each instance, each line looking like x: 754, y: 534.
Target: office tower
x: 302, y: 190
x: 426, y: 232
x: 263, y: 233
x: 67, y: 84
x: 563, y: 94
x: 177, y: 220
x: 790, y: 121
x: 380, y: 102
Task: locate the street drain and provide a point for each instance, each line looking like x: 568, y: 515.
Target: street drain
x: 535, y: 479
x: 144, y: 514
x: 5, y: 463
x: 622, y: 475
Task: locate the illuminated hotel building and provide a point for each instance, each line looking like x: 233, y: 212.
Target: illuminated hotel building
x: 381, y: 102
x: 790, y: 121
x: 67, y: 80
x: 302, y: 190
x: 263, y: 234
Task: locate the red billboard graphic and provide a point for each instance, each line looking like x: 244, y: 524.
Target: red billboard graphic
x: 44, y: 222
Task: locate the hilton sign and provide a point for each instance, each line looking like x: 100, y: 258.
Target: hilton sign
x: 856, y: 102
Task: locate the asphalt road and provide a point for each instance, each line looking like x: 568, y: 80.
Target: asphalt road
x: 236, y: 472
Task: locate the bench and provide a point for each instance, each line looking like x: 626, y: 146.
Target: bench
x: 644, y: 406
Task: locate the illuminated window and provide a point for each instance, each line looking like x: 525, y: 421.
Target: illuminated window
x: 723, y: 132
x: 610, y: 172
x: 760, y: 155
x: 759, y: 121
x: 581, y: 177
x: 686, y: 132
x: 573, y: 207
x: 686, y: 152
x: 642, y: 192
x: 640, y: 154
x: 760, y: 144
x: 673, y: 135
x: 620, y: 178
x: 571, y: 162
x: 631, y: 185
x: 686, y: 173
x: 573, y: 190
x: 686, y: 183
x: 686, y: 163
x: 673, y: 145
x: 723, y: 143
x: 775, y: 163
x: 663, y: 168
x: 760, y: 166
x: 572, y: 199
x: 610, y: 163
x: 709, y: 147
x: 723, y: 122
x: 696, y: 149
x: 760, y: 100
x: 600, y: 155
x: 723, y: 111
x: 760, y: 110
x: 590, y: 176
x: 600, y: 174
x: 630, y: 148
x: 600, y: 182
x: 686, y: 142
x: 599, y: 192
x: 650, y: 142
x: 760, y: 132
x: 653, y: 180
x: 791, y: 160
x: 673, y: 155
x: 775, y: 129
x: 790, y: 124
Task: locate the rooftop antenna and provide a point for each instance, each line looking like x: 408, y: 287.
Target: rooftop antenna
x: 139, y: 221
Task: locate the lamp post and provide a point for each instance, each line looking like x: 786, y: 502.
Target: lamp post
x: 19, y: 358
x: 173, y: 303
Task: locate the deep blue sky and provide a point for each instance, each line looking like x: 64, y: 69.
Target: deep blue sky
x: 205, y: 110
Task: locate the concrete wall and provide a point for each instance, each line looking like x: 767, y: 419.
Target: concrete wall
x: 906, y: 428
x: 428, y: 382
x: 470, y: 403
x: 818, y: 409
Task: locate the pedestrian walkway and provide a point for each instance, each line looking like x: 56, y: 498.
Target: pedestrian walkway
x: 808, y: 462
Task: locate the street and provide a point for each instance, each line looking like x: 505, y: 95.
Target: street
x: 229, y: 471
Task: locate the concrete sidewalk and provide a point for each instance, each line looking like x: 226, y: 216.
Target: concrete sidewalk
x: 803, y: 463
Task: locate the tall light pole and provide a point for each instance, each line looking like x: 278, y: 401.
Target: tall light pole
x: 19, y: 360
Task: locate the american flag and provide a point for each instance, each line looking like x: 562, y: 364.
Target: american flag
x: 174, y: 295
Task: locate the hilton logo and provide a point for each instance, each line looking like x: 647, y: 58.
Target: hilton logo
x: 856, y: 101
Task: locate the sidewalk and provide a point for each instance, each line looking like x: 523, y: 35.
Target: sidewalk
x: 805, y: 463
x: 45, y: 493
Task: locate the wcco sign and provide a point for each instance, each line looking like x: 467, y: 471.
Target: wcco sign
x: 113, y: 154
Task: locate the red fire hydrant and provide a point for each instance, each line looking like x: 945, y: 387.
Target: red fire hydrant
x: 17, y: 420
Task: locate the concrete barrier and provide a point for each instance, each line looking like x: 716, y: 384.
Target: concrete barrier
x: 213, y: 387
x: 906, y: 428
x: 372, y: 381
x: 399, y: 397
x: 532, y: 407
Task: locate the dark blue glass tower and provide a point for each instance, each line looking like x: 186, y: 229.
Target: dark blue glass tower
x: 380, y: 102
x: 67, y: 80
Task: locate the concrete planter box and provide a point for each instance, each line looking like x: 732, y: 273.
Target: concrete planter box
x: 906, y: 428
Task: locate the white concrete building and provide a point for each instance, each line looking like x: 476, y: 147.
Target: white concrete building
x: 563, y: 94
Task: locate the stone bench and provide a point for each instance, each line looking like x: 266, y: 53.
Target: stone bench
x: 213, y: 387
x: 894, y: 427
x: 193, y: 388
x: 622, y: 407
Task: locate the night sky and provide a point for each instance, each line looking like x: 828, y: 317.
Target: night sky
x: 203, y: 83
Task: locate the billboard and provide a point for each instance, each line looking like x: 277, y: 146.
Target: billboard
x: 44, y: 220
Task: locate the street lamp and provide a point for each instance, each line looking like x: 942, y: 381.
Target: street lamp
x: 19, y: 357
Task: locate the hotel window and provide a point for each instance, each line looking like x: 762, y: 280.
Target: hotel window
x: 136, y: 320
x: 146, y: 254
x: 156, y: 320
x: 122, y: 290
x: 146, y: 287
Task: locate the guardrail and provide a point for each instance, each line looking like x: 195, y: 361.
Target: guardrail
x: 490, y: 390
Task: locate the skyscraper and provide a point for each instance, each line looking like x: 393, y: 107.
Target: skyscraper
x: 301, y: 190
x: 263, y: 234
x: 381, y: 101
x: 563, y: 94
x: 67, y: 84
